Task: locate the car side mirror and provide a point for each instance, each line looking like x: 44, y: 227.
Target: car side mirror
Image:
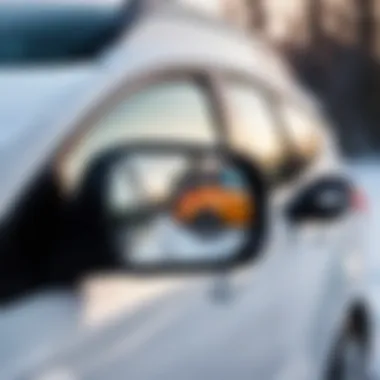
x: 325, y: 200
x: 182, y: 208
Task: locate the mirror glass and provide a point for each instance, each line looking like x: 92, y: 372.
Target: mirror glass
x: 177, y: 208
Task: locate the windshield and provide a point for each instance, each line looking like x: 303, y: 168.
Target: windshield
x: 42, y: 32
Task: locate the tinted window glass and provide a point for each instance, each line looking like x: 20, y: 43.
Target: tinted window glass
x: 45, y: 33
x: 172, y: 111
x: 253, y: 129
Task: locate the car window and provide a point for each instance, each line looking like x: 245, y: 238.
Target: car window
x: 170, y: 111
x: 38, y: 32
x: 253, y: 129
x: 304, y: 129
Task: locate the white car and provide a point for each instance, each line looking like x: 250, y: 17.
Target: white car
x: 178, y: 78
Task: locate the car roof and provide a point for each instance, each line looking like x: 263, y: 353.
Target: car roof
x: 172, y: 36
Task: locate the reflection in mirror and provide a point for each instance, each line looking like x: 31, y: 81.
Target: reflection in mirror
x: 177, y: 209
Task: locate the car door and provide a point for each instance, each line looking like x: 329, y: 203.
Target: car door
x: 254, y: 131
x: 184, y: 334
x: 169, y: 108
x: 322, y: 247
x: 311, y: 276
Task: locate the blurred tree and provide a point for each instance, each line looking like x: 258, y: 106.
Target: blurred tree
x: 257, y: 16
x: 337, y: 62
x: 366, y: 12
x: 315, y: 21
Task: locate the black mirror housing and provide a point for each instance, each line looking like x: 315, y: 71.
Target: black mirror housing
x: 148, y: 203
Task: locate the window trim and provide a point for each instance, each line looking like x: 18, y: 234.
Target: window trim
x: 310, y: 114
x: 210, y: 80
x: 201, y: 79
x: 270, y: 95
x: 273, y: 97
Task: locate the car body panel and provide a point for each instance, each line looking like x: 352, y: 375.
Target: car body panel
x: 287, y: 298
x: 33, y: 100
x: 33, y: 95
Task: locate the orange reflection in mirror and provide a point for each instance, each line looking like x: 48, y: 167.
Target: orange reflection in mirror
x: 233, y: 207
